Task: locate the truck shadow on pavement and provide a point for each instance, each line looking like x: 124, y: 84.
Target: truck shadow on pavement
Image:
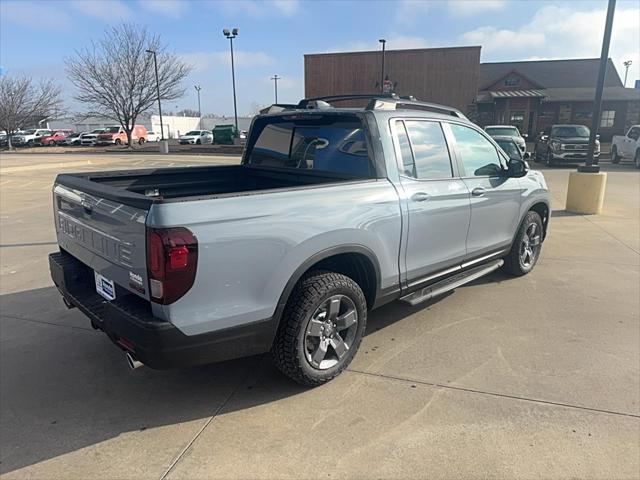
x: 66, y: 387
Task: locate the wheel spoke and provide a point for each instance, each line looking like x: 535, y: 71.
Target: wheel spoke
x: 532, y: 230
x: 534, y: 241
x: 345, y: 321
x: 320, y: 352
x: 314, y: 328
x: 334, y: 308
x: 338, y: 345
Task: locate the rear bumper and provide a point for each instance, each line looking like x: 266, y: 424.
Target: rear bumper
x: 131, y: 326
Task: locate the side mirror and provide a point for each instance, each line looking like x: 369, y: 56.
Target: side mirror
x: 597, y: 136
x: 526, y: 155
x: 544, y: 138
x: 524, y: 135
x: 517, y: 168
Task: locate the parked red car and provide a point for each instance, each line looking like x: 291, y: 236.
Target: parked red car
x: 56, y: 136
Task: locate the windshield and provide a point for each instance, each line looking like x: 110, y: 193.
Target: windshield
x: 570, y: 131
x: 29, y: 132
x: 335, y: 144
x: 503, y: 131
x: 112, y: 130
x: 97, y: 130
x: 193, y: 132
x: 510, y: 148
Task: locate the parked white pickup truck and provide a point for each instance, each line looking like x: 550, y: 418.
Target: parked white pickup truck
x: 627, y: 146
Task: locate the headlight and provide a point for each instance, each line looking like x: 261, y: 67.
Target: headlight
x: 555, y: 146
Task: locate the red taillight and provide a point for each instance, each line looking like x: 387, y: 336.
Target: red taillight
x: 172, y: 258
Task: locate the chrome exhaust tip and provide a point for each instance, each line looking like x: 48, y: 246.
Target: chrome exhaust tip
x: 133, y: 362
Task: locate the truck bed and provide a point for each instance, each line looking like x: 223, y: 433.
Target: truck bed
x: 152, y: 185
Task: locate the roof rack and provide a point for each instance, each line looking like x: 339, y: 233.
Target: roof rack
x: 381, y: 101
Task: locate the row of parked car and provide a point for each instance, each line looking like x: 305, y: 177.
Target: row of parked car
x: 114, y: 135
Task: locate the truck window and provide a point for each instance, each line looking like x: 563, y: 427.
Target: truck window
x: 479, y: 156
x: 336, y: 145
x: 429, y: 150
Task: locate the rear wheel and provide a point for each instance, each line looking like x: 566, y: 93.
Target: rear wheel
x: 321, y: 328
x: 118, y: 141
x: 140, y: 141
x: 52, y: 143
x: 526, y: 247
x: 198, y: 142
x: 615, y: 158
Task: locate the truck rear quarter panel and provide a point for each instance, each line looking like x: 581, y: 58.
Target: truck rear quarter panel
x: 250, y: 246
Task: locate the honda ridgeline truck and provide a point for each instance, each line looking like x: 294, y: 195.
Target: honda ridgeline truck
x: 331, y: 213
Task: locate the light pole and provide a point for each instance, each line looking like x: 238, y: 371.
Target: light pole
x: 198, y: 88
x: 155, y: 64
x: 591, y: 165
x: 626, y: 64
x: 275, y: 79
x: 231, y: 35
x: 383, y: 42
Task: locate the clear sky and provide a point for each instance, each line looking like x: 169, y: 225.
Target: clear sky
x: 36, y: 36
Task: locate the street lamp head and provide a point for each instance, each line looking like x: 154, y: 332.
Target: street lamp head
x: 226, y: 32
x: 230, y: 34
x: 234, y: 31
x: 382, y: 40
x: 197, y: 87
x: 627, y: 63
x: 151, y: 51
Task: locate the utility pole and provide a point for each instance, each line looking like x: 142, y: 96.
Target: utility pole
x: 198, y: 88
x: 383, y: 42
x: 231, y: 35
x: 275, y: 79
x: 626, y: 64
x: 155, y: 64
x: 592, y: 166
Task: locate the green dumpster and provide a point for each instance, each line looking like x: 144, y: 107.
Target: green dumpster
x: 225, y: 134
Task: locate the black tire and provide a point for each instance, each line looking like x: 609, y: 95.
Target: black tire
x: 198, y: 142
x: 30, y: 143
x: 514, y: 262
x: 615, y: 158
x: 636, y: 158
x: 549, y: 159
x: 536, y: 157
x: 118, y: 141
x: 52, y: 143
x: 290, y: 347
x: 140, y: 141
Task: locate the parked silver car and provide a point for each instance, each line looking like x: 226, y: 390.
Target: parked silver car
x: 196, y: 137
x: 508, y: 131
x: 332, y: 212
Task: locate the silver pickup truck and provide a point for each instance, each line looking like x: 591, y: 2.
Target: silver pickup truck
x: 332, y: 212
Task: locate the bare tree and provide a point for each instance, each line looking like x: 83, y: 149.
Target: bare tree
x: 115, y: 76
x: 23, y: 102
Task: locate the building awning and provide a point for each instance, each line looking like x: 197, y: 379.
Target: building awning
x: 517, y: 93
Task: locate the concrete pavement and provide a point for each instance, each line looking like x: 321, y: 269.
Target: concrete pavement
x: 504, y: 378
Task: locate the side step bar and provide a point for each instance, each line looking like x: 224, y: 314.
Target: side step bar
x: 450, y: 283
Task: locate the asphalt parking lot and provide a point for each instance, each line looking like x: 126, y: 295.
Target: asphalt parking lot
x: 504, y: 378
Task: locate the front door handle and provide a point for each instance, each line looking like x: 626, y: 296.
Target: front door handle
x: 478, y: 191
x: 420, y: 197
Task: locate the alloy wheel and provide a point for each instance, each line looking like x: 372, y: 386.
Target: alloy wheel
x: 330, y: 332
x: 530, y: 246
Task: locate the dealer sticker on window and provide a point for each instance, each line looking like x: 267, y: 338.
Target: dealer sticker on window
x: 105, y: 287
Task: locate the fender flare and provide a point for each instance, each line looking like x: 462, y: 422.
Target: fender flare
x: 317, y: 257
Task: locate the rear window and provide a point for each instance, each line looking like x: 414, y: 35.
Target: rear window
x: 501, y: 131
x: 324, y: 143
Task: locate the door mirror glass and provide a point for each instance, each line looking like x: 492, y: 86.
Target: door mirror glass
x: 517, y: 168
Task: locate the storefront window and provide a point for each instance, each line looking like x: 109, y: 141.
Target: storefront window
x: 516, y: 118
x: 607, y: 119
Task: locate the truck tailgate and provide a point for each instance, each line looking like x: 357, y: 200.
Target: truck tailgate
x: 106, y: 235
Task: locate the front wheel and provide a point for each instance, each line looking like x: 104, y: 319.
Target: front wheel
x: 321, y: 328
x: 526, y: 247
x: 615, y: 158
x: 140, y: 141
x: 118, y: 141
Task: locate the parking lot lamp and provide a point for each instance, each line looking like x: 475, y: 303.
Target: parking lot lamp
x: 626, y: 64
x: 275, y: 79
x: 198, y: 88
x: 155, y: 64
x: 383, y: 42
x: 231, y: 35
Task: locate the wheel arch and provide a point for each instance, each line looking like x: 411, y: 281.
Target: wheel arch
x: 541, y: 208
x: 355, y: 261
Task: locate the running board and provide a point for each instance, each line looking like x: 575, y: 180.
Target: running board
x: 450, y: 283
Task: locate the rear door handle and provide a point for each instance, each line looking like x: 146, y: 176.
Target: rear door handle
x: 478, y: 191
x: 420, y: 197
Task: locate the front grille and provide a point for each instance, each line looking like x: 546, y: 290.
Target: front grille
x: 576, y: 146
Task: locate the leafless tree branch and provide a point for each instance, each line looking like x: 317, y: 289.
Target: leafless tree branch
x: 115, y: 76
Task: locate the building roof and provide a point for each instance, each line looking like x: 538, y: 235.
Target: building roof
x: 587, y: 94
x: 552, y: 73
